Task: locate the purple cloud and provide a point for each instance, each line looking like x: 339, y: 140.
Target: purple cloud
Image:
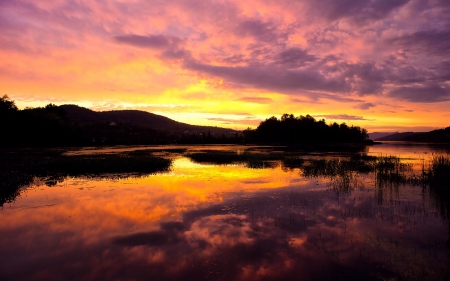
x: 427, y: 93
x: 319, y: 80
x: 271, y: 77
x: 360, y: 11
x: 434, y: 41
x: 171, y: 46
x: 367, y: 78
x: 295, y: 57
x: 150, y: 41
x: 262, y: 31
x: 365, y: 105
x: 396, y: 49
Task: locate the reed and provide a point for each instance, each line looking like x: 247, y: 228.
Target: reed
x: 439, y: 170
x: 232, y: 157
x: 18, y: 168
x: 438, y: 179
x: 390, y: 169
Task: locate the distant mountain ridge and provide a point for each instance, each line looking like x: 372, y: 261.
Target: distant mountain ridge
x: 440, y: 136
x: 396, y: 136
x: 377, y: 135
x: 85, y: 116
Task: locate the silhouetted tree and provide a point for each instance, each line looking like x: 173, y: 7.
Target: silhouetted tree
x: 7, y: 105
x: 291, y: 129
x: 8, y: 120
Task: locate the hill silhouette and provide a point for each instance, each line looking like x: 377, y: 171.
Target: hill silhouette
x: 396, y: 136
x: 84, y: 116
x: 438, y: 136
x: 73, y: 125
x: 377, y: 135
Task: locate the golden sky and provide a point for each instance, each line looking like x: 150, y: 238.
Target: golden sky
x: 382, y: 65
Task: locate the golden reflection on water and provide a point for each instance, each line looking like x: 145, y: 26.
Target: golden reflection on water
x: 407, y: 150
x: 104, y: 207
x: 222, y: 222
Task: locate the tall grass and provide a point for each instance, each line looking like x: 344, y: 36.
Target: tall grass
x: 438, y: 178
x: 439, y: 170
x: 340, y: 172
x: 252, y: 160
x: 156, y: 150
x: 390, y: 169
x: 292, y: 162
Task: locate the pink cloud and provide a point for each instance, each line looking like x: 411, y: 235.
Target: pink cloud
x: 347, y: 51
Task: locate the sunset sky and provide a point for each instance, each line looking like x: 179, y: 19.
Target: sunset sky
x: 380, y: 64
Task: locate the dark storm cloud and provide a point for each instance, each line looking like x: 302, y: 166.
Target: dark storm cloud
x: 427, y: 93
x: 150, y: 41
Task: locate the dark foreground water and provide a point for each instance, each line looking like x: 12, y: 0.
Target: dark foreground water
x: 230, y: 222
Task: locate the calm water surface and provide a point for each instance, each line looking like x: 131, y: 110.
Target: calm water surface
x: 227, y: 222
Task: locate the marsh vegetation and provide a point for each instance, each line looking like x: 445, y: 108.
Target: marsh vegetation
x: 19, y: 168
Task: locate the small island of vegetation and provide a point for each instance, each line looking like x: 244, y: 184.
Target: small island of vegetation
x: 290, y: 129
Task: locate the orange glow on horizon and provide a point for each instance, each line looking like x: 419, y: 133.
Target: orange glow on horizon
x: 229, y: 64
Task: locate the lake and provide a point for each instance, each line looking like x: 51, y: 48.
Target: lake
x: 312, y: 217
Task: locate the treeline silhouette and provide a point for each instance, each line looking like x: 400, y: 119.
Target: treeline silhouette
x: 34, y: 126
x: 50, y: 126
x: 291, y: 130
x: 438, y: 136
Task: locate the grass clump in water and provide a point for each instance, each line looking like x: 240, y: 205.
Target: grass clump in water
x: 340, y: 172
x: 19, y: 168
x: 252, y: 160
x: 156, y: 150
x: 293, y: 162
x: 215, y: 157
x: 107, y: 163
x: 48, y: 164
x: 390, y: 169
x: 439, y: 171
x: 438, y: 178
x: 261, y: 164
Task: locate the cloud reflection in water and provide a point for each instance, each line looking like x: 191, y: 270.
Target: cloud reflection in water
x: 239, y: 224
